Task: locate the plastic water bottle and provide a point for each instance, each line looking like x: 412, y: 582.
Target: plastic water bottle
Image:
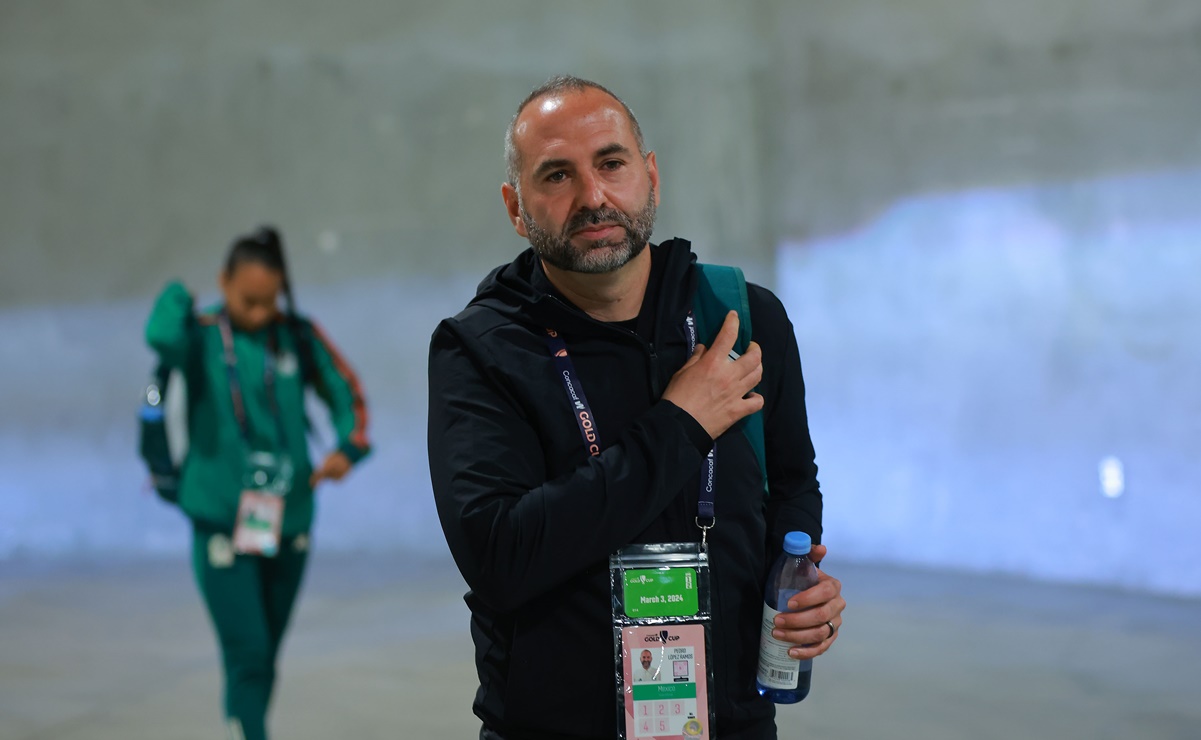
x: 783, y: 679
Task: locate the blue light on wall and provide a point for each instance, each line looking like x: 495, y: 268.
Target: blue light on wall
x: 998, y: 380
x: 971, y: 357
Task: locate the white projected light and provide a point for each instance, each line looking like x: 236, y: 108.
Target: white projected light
x: 1113, y: 479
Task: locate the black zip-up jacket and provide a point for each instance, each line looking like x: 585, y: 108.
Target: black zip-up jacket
x: 531, y: 518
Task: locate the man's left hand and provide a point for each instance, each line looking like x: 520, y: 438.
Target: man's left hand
x: 814, y: 615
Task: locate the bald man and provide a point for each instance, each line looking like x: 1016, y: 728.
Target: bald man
x: 570, y: 416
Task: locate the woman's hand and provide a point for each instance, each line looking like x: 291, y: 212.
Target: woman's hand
x: 335, y: 467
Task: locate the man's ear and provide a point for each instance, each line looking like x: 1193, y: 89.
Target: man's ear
x: 513, y: 207
x: 652, y: 169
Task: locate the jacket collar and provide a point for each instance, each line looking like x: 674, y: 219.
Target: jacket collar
x: 521, y: 291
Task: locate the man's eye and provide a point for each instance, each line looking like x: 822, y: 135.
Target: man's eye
x: 558, y: 176
x: 612, y: 164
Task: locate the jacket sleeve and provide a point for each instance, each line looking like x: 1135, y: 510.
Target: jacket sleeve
x: 795, y: 499
x: 338, y: 386
x: 171, y: 330
x: 515, y: 534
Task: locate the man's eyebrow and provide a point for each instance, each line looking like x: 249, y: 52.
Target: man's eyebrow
x: 613, y: 148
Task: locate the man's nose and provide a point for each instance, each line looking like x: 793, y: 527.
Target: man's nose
x: 591, y: 194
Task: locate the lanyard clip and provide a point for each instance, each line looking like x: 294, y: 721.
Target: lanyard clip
x: 712, y: 522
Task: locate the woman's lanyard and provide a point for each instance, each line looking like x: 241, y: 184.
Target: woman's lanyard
x: 235, y: 385
x: 587, y: 422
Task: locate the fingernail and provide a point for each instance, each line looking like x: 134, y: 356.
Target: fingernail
x: 795, y: 653
x: 779, y: 621
x: 778, y: 634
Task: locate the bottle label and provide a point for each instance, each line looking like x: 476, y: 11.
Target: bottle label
x: 776, y: 669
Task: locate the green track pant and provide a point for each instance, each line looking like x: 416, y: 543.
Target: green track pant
x: 249, y: 600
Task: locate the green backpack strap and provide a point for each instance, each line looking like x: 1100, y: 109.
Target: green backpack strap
x: 719, y: 290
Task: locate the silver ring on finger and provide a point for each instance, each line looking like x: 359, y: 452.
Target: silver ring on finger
x: 833, y: 629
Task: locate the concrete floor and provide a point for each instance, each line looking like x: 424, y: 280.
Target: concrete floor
x: 379, y: 649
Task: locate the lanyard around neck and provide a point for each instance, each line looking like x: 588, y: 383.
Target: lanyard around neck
x: 575, y: 392
x: 235, y: 384
x: 706, y: 517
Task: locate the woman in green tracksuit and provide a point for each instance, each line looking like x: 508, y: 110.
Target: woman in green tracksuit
x: 247, y: 481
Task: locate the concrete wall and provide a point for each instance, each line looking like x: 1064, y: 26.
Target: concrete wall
x: 141, y: 139
x: 145, y: 140
x: 793, y: 138
x: 884, y: 100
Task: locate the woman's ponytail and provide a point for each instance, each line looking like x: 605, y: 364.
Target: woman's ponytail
x: 274, y: 244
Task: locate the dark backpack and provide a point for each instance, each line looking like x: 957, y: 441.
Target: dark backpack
x: 162, y: 430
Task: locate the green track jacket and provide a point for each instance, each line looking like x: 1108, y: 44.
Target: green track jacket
x: 211, y: 481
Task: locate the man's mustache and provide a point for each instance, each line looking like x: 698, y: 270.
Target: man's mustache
x: 592, y: 217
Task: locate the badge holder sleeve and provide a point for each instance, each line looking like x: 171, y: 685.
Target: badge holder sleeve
x: 662, y: 623
x: 266, y: 482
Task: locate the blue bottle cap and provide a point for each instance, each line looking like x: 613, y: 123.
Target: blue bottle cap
x: 797, y: 543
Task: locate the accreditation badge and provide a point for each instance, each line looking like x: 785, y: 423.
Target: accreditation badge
x: 661, y: 624
x: 260, y: 518
x: 666, y: 673
x: 266, y: 479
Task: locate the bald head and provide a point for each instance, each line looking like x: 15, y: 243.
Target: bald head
x: 557, y: 87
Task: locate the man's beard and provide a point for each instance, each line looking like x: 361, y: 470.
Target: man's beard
x: 601, y: 256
